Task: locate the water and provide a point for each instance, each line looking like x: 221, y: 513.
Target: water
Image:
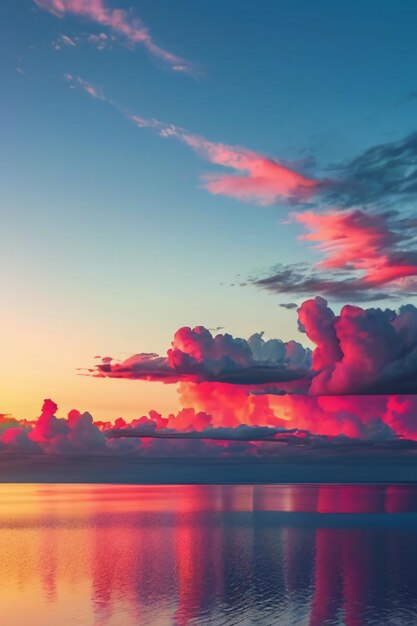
x: 89, y: 555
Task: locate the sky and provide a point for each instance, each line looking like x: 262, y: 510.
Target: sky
x: 121, y: 222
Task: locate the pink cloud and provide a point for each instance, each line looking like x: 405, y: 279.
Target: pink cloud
x: 120, y: 22
x: 261, y: 180
x: 238, y: 424
x: 369, y: 246
x: 361, y: 351
x: 347, y: 239
x: 196, y: 355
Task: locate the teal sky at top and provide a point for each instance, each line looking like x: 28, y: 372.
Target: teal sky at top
x: 105, y: 230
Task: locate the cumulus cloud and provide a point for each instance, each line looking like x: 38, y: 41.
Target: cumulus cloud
x: 298, y: 421
x: 357, y: 383
x: 293, y: 422
x: 197, y: 355
x: 188, y: 433
x: 120, y: 22
x: 361, y: 350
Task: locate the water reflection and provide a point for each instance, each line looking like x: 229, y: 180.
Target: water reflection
x: 127, y: 556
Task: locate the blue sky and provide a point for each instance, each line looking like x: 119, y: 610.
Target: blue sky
x: 109, y: 242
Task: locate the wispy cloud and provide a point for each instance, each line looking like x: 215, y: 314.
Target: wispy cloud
x: 382, y: 175
x: 368, y: 238
x: 369, y: 248
x: 261, y: 180
x: 364, y: 253
x: 302, y: 279
x: 77, y: 82
x: 121, y: 23
x: 101, y: 41
x: 64, y: 41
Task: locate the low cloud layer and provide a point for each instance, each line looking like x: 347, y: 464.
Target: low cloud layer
x: 251, y: 397
x: 275, y: 426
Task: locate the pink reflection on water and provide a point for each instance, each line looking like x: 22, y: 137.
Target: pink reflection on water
x: 86, y: 555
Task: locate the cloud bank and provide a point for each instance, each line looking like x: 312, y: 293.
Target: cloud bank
x: 197, y: 355
x: 255, y: 397
x: 360, y: 351
x: 299, y: 422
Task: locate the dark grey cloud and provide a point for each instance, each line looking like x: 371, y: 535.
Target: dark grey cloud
x: 301, y: 279
x: 289, y: 305
x: 383, y: 174
x: 239, y: 433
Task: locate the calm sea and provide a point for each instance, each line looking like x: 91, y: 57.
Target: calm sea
x: 99, y: 555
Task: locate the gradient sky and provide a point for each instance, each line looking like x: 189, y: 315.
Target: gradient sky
x: 109, y: 242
